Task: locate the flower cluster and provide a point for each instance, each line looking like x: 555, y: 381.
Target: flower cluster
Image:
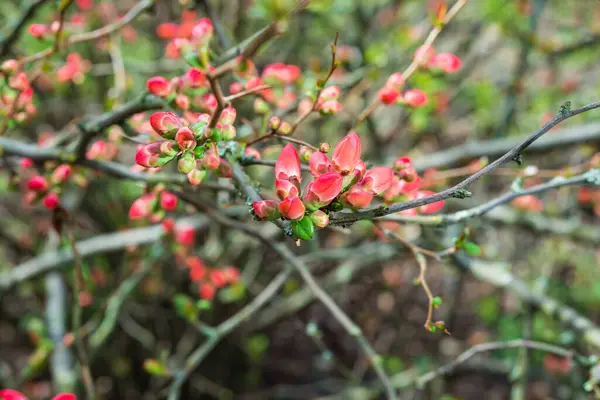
x: 16, y: 94
x: 9, y: 394
x: 425, y: 57
x: 39, y: 187
x: 339, y: 182
x: 188, y: 36
x: 406, y: 185
x: 153, y: 205
x: 194, y: 146
x: 74, y: 69
x: 210, y: 279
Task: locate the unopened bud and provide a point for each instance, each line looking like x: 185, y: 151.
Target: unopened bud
x: 186, y: 163
x: 324, y: 147
x: 284, y: 129
x: 274, y: 123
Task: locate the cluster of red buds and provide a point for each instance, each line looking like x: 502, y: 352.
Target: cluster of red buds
x: 74, y: 70
x: 406, y: 185
x: 9, y: 394
x: 425, y: 57
x: 189, y: 92
x: 16, y: 94
x: 42, y: 31
x: 194, y: 146
x: 209, y: 280
x: 153, y: 205
x: 281, y: 77
x: 39, y: 187
x: 188, y: 37
x: 339, y: 182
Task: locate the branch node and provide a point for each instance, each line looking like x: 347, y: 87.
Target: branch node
x: 461, y: 194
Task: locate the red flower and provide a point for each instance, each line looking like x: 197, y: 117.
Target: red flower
x: 197, y: 268
x: 165, y: 124
x: 38, y: 183
x: 357, y: 198
x: 38, y: 31
x: 266, y: 209
x: 327, y: 186
x: 431, y: 207
x: 207, y: 291
x: 184, y: 234
x: 319, y: 163
x: 159, y: 86
x: 217, y: 277
x: 415, y: 98
x: 447, y: 62
x: 9, y: 394
x: 26, y: 162
x: 347, y: 154
x: 185, y: 138
x: 51, y: 201
x: 285, y: 188
x: 388, y: 95
x: 168, y: 201
x: 195, y: 78
x: 202, y: 31
x: 288, y: 164
x: 377, y: 180
x: 167, y: 30
x: 61, y: 173
x: 148, y: 155
x: 292, y: 208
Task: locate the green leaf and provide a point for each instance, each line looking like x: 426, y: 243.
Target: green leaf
x: 436, y: 301
x: 155, y: 367
x: 191, y: 57
x: 184, y: 306
x: 472, y: 249
x: 164, y: 160
x: 304, y: 228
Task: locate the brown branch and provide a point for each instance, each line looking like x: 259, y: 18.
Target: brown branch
x: 229, y: 99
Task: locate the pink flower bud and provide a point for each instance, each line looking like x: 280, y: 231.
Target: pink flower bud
x: 182, y: 101
x: 330, y: 107
x: 228, y: 132
x: 167, y: 30
x: 37, y: 183
x: 266, y: 210
x: 168, y: 201
x: 9, y: 394
x: 228, y: 116
x: 292, y: 208
x: 261, y: 106
x: 388, y: 95
x: 195, y: 78
x: 207, y: 291
x: 288, y: 164
x: 319, y: 219
x: 415, y: 98
x: 186, y: 163
x: 168, y: 148
x: 51, y: 201
x: 11, y: 66
x: 232, y: 274
x: 252, y: 152
x: 424, y: 54
x: 148, y: 155
x: 284, y: 129
x: 377, y: 180
x: 327, y: 186
x: 159, y: 86
x: 202, y: 32
x: 285, y: 188
x: 142, y: 206
x: 26, y: 163
x: 324, y: 147
x: 447, y: 62
x: 165, y: 124
x: 196, y: 176
x: 61, y: 173
x: 431, y: 207
x: 168, y: 225
x: 357, y: 198
x: 217, y: 277
x: 274, y: 123
x: 38, y: 31
x: 19, y: 82
x: 211, y: 158
x: 347, y: 154
x: 396, y: 81
x: 330, y: 93
x: 185, y: 235
x: 319, y: 163
x: 185, y: 138
x: 527, y: 203
x: 235, y: 88
x: 207, y: 102
x: 402, y: 163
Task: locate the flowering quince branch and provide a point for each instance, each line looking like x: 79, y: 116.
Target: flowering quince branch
x: 424, y: 57
x: 458, y: 190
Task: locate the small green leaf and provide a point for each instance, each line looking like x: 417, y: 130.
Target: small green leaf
x: 184, y: 306
x: 304, y: 228
x: 191, y: 57
x: 155, y: 367
x: 472, y: 249
x: 436, y: 301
